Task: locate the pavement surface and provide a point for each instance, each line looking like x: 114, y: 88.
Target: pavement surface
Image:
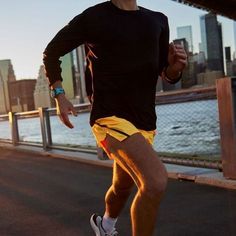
x: 45, y: 196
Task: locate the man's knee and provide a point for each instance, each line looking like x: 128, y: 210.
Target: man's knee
x: 155, y: 187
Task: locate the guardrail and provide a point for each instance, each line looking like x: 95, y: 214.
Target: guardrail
x: 47, y: 142
x: 46, y: 133
x: 226, y: 96
x: 224, y: 100
x: 186, y: 95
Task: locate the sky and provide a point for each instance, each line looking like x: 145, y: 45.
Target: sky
x: 27, y: 26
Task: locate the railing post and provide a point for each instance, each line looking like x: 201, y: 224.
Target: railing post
x: 48, y: 127
x: 226, y: 94
x: 42, y: 112
x: 14, y: 128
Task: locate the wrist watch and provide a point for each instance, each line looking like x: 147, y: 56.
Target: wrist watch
x: 56, y: 91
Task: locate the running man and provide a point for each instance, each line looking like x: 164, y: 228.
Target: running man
x: 128, y: 47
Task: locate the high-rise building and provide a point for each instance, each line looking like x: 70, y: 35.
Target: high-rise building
x: 186, y: 32
x: 203, y: 44
x: 211, y: 34
x: 6, y: 75
x: 199, y: 62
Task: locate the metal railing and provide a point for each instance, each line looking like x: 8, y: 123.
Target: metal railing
x: 45, y: 127
x: 188, y: 126
x: 166, y: 126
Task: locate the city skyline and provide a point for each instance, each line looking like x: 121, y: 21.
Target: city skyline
x: 30, y: 26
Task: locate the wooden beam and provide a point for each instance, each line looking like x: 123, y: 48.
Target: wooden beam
x: 221, y: 7
x: 227, y: 115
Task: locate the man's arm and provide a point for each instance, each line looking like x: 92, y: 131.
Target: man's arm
x: 63, y: 106
x: 177, y: 59
x: 68, y: 38
x: 173, y: 58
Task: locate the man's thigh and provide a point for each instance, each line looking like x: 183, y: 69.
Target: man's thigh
x: 136, y: 156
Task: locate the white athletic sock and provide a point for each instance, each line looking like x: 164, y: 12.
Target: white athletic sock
x: 108, y: 223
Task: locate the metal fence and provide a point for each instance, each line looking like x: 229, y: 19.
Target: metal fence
x: 188, y: 131
x: 190, y: 128
x: 187, y: 127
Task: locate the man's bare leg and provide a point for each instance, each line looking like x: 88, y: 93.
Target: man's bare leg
x: 136, y: 156
x: 119, y: 191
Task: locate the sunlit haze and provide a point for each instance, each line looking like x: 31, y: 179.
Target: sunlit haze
x: 27, y: 26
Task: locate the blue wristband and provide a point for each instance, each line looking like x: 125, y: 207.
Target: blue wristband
x: 55, y: 92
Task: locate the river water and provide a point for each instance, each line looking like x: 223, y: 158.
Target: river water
x: 186, y: 128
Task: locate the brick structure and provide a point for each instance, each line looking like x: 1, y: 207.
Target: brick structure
x: 22, y: 95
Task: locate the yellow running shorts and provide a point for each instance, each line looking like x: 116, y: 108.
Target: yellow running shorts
x: 118, y: 128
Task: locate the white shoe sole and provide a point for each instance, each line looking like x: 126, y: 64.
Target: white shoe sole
x: 94, y: 226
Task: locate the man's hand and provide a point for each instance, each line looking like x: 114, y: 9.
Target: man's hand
x: 177, y: 59
x: 64, y: 107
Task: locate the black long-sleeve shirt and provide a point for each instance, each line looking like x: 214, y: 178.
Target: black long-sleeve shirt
x: 127, y: 50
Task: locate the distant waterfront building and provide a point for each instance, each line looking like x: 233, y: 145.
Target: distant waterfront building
x: 42, y: 96
x: 200, y: 60
x: 228, y: 61
x: 211, y: 45
x: 209, y: 78
x: 22, y: 95
x: 6, y: 75
x: 186, y: 32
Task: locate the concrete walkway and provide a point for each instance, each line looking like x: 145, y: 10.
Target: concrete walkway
x: 198, y: 175
x: 43, y: 196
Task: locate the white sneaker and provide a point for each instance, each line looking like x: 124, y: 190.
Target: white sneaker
x: 96, y: 224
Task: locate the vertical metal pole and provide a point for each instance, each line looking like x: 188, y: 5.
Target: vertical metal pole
x: 81, y: 60
x: 14, y: 128
x: 43, y: 127
x: 48, y: 127
x: 226, y: 101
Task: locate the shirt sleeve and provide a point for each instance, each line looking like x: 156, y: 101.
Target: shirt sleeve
x: 67, y: 39
x: 164, y: 46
